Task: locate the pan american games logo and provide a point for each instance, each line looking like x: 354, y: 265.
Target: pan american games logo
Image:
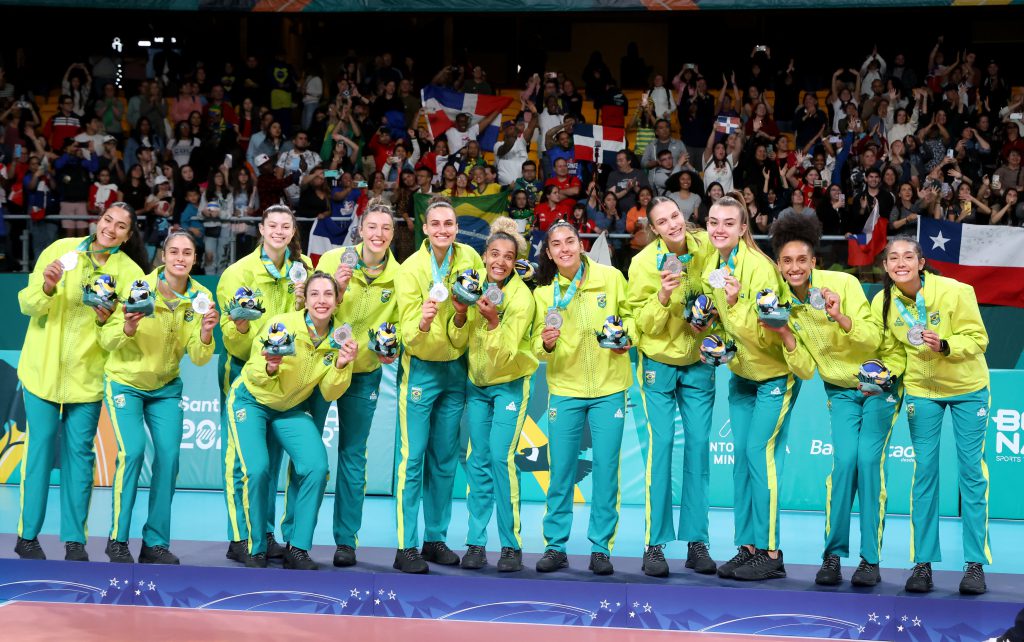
x: 1009, y: 435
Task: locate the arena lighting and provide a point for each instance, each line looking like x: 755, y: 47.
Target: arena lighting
x: 116, y: 46
x: 158, y: 39
x: 145, y: 43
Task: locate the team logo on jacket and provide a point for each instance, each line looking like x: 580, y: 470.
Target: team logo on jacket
x: 910, y: 410
x: 982, y: 412
x: 291, y: 287
x: 552, y: 414
x: 776, y: 392
x: 417, y: 394
x: 618, y: 414
x: 796, y: 326
x: 373, y: 396
x: 602, y: 300
x: 934, y: 318
x: 119, y: 401
x: 891, y: 399
x: 385, y: 295
x: 511, y: 407
x: 649, y: 377
x: 189, y: 315
x: 898, y: 322
x: 328, y: 358
x: 240, y: 415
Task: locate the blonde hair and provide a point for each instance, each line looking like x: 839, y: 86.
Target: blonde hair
x: 653, y: 234
x: 505, y: 228
x: 735, y: 199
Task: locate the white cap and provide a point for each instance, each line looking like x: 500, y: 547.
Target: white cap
x: 83, y: 138
x: 109, y: 139
x: 160, y: 180
x: 262, y: 158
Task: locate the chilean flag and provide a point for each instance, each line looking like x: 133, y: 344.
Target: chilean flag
x: 864, y: 247
x: 442, y: 106
x: 587, y: 138
x: 987, y: 257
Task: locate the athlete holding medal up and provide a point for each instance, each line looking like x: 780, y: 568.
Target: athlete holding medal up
x: 938, y: 324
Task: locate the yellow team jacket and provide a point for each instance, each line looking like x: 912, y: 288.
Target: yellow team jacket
x: 151, y: 358
x: 662, y: 332
x: 278, y: 297
x: 953, y: 314
x: 442, y: 341
x: 365, y: 305
x: 758, y: 351
x: 299, y: 373
x: 578, y: 366
x: 503, y: 354
x: 822, y: 343
x: 62, y: 360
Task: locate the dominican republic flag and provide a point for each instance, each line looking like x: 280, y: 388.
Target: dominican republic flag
x: 442, y: 106
x: 987, y: 257
x: 727, y: 124
x: 328, y: 234
x: 587, y: 138
x: 864, y: 247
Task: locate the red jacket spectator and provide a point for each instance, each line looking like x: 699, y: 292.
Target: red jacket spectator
x: 546, y: 214
x: 382, y: 147
x: 61, y: 125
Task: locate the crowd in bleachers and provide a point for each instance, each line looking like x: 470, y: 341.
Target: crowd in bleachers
x: 203, y: 149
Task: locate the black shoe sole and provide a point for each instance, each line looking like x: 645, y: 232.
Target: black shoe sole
x: 973, y: 591
x: 610, y: 571
x: 235, y: 557
x: 711, y: 570
x: 552, y: 570
x: 510, y: 569
x: 344, y: 563
x: 398, y: 567
x: 920, y: 589
x: 247, y: 565
x: 662, y: 573
x: 865, y: 583
x: 434, y: 560
x: 153, y: 560
x: 34, y: 556
x: 472, y: 566
x: 774, y: 575
x: 828, y: 581
x: 292, y: 567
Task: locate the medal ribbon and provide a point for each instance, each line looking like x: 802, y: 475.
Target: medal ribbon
x: 190, y: 292
x: 810, y: 286
x: 731, y: 261
x: 314, y: 336
x: 562, y: 302
x: 922, y: 312
x: 663, y: 251
x: 87, y: 243
x: 271, y: 268
x: 361, y: 265
x: 439, y: 271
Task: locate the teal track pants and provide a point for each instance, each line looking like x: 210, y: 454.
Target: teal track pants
x: 162, y: 412
x: 253, y: 424
x: 232, y: 469
x: 861, y: 429
x: 759, y: 413
x: 77, y: 457
x: 496, y: 415
x: 668, y: 392
x: 431, y: 400
x: 970, y: 420
x: 566, y: 419
x: 355, y: 416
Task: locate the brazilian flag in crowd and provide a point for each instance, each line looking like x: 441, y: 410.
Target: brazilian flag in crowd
x: 475, y: 214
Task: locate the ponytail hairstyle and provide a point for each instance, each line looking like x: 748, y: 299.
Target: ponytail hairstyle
x: 887, y: 282
x: 505, y: 229
x: 789, y: 228
x: 295, y: 245
x: 180, y: 234
x: 735, y: 199
x: 546, y: 268
x: 134, y: 247
x: 658, y: 200
x: 377, y: 205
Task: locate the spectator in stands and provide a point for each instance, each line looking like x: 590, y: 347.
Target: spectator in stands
x: 569, y: 186
x: 562, y: 147
x: 636, y: 222
x: 186, y: 103
x: 470, y: 156
x: 872, y: 198
x: 274, y: 144
x: 664, y: 103
x: 77, y: 83
x: 528, y: 182
x: 477, y: 84
x: 282, y: 83
x: 110, y: 159
x: 460, y: 188
x: 111, y: 108
x: 1010, y: 175
x: 663, y: 140
x: 269, y: 188
x: 596, y: 77
x: 312, y: 93
x: 1011, y: 212
x: 160, y: 207
x: 809, y: 122
x: 658, y: 177
x: 688, y: 203
x: 907, y: 210
x: 297, y: 165
x: 181, y: 146
x: 218, y: 114
x: 143, y: 135
x: 625, y: 181
x: 216, y: 208
x: 464, y: 130
x: 797, y: 206
x: 831, y: 210
x: 553, y: 207
x: 39, y: 187
x: 571, y: 101
x: 520, y: 210
x: 514, y: 148
x: 719, y: 163
x: 713, y: 192
x: 579, y: 219
x: 62, y: 125
x: 245, y: 204
x: 74, y: 170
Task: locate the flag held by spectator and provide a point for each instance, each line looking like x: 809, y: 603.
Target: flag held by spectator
x: 588, y: 138
x: 442, y: 106
x: 327, y: 234
x: 983, y: 256
x: 474, y: 213
x: 864, y: 247
x: 727, y: 124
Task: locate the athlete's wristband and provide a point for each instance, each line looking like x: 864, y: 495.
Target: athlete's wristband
x: 944, y: 347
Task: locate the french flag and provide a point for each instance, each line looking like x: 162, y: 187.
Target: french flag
x: 442, y: 106
x: 987, y: 257
x: 727, y: 124
x: 588, y: 138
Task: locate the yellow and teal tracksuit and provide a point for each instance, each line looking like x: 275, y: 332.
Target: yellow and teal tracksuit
x: 934, y: 381
x: 367, y: 303
x: 762, y: 392
x: 61, y: 371
x: 673, y: 382
x: 431, y: 395
x: 264, y: 407
x: 277, y: 292
x: 861, y: 425
x: 501, y: 363
x: 142, y: 383
x: 587, y: 384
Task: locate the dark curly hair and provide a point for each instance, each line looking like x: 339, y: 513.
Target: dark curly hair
x: 795, y: 227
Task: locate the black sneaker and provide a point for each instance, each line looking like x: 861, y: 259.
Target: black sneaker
x: 274, y: 550
x: 345, y: 555
x: 475, y: 557
x: 761, y: 567
x: 157, y: 555
x: 551, y: 561
x: 741, y: 557
x: 299, y: 559
x: 29, y: 549
x: 259, y: 560
x: 439, y: 553
x: 830, y: 573
x: 409, y: 560
x: 699, y: 559
x: 511, y: 560
x: 654, y: 562
x: 920, y: 580
x: 238, y: 551
x: 867, y: 574
x: 117, y: 552
x: 974, y: 580
x: 600, y: 564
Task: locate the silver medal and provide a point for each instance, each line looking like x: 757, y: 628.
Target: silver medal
x: 69, y: 261
x: 350, y: 257
x: 553, y: 319
x: 342, y: 333
x: 672, y: 264
x: 438, y: 292
x: 494, y: 294
x: 201, y: 304
x: 915, y: 335
x: 817, y: 299
x: 717, y: 278
x: 297, y: 274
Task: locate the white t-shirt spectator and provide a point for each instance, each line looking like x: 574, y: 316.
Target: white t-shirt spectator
x: 181, y: 150
x: 545, y: 124
x: 313, y: 90
x: 510, y: 166
x: 457, y: 140
x: 721, y: 175
x: 291, y: 162
x: 686, y: 206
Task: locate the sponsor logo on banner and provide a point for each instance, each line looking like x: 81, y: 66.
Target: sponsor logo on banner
x: 1009, y: 435
x: 722, y: 452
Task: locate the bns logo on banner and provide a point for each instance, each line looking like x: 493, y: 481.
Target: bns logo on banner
x: 1009, y: 439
